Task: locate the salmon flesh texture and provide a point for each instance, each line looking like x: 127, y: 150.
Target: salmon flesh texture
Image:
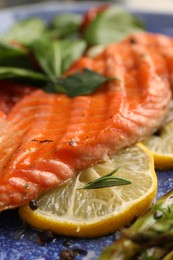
x: 160, y: 43
x: 47, y: 138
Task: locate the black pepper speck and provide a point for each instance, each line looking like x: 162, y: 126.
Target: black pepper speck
x: 33, y: 205
x: 72, y: 143
x: 67, y: 254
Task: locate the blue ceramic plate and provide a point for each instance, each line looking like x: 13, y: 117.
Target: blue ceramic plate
x: 17, y: 242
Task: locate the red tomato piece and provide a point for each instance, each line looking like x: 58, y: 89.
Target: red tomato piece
x: 91, y: 14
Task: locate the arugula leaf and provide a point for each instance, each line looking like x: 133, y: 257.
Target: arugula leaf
x: 26, y: 31
x: 64, y: 25
x: 81, y: 83
x: 48, y: 55
x: 19, y: 73
x: 106, y: 181
x: 71, y: 51
x: 112, y: 25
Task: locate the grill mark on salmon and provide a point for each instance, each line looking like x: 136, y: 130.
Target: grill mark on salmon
x: 82, y: 130
x: 160, y: 43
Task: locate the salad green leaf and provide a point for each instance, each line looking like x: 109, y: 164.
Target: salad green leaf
x: 48, y: 54
x: 19, y: 73
x: 11, y: 55
x: 56, y: 56
x: 65, y: 25
x: 49, y: 50
x: 7, y: 49
x: 77, y: 84
x: 26, y: 31
x: 71, y: 50
x: 81, y: 83
x: 112, y: 25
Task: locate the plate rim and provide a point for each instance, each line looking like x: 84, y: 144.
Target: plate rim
x: 68, y: 5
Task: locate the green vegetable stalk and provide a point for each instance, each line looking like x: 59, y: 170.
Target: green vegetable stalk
x: 150, y: 237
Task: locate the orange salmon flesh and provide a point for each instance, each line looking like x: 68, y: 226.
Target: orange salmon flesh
x: 48, y: 138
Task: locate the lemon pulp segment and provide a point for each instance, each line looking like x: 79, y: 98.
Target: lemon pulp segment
x: 161, y: 146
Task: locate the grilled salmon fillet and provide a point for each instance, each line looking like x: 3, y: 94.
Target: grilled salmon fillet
x: 10, y: 93
x: 160, y: 43
x: 47, y: 138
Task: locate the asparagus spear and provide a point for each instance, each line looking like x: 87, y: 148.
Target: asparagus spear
x: 125, y: 249
x: 156, y: 225
x: 150, y: 237
x: 169, y: 256
x: 154, y: 253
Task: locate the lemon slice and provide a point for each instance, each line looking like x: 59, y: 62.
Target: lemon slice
x: 162, y: 147
x: 72, y: 211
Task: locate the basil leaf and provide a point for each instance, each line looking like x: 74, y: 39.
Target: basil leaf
x: 48, y: 55
x: 112, y: 25
x: 55, y: 57
x: 11, y: 55
x: 26, y: 31
x: 65, y: 24
x: 71, y: 51
x: 82, y: 83
x: 7, y: 49
x: 77, y: 84
x: 54, y: 88
x: 18, y: 73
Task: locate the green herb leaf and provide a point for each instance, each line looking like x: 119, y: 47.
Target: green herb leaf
x: 71, y: 51
x: 77, y: 84
x: 112, y: 25
x: 7, y: 49
x: 64, y: 25
x: 106, y: 181
x: 18, y: 73
x: 83, y: 83
x: 55, y: 57
x: 26, y: 31
x: 48, y: 55
x: 13, y: 56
